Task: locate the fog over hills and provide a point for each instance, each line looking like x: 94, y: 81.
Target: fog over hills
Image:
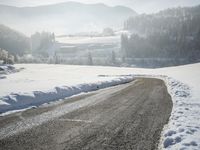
x: 140, y: 6
x: 64, y: 18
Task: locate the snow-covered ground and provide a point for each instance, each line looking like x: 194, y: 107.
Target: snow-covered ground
x: 183, y: 130
x: 83, y: 40
x: 37, y: 84
x: 8, y: 69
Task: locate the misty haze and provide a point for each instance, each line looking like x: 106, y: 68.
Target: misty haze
x: 100, y: 74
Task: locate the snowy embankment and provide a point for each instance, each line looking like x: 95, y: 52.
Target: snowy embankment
x: 182, y: 132
x: 4, y: 69
x: 58, y: 81
x: 15, y: 101
x: 21, y: 99
x: 7, y: 69
x: 183, y: 129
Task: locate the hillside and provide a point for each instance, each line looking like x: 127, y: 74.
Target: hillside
x: 14, y: 42
x: 64, y: 17
x: 171, y: 34
x: 179, y: 19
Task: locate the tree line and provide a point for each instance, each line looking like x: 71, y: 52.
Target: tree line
x: 5, y: 57
x: 172, y: 33
x: 14, y: 43
x: 41, y: 43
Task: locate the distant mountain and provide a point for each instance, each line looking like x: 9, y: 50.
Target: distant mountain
x: 64, y: 17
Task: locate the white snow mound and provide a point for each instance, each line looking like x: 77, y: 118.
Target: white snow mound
x: 16, y: 101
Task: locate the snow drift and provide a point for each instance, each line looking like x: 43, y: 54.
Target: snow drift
x: 16, y: 101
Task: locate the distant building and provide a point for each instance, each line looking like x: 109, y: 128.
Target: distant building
x: 100, y: 49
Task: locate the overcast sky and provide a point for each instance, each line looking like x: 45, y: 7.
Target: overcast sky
x: 140, y: 6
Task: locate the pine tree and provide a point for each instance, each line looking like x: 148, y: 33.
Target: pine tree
x: 90, y: 60
x: 124, y: 45
x: 113, y: 57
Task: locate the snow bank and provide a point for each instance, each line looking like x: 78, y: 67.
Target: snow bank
x: 183, y: 130
x: 7, y: 69
x: 16, y: 101
x: 4, y: 69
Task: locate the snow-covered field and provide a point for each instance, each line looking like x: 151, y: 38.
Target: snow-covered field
x: 37, y: 84
x: 83, y: 40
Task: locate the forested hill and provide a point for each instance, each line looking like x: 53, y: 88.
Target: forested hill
x: 172, y: 34
x: 14, y: 42
x: 177, y: 20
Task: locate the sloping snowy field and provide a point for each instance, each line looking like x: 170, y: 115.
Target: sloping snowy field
x: 37, y: 84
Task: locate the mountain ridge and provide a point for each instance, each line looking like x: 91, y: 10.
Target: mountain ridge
x: 65, y: 17
x: 70, y: 2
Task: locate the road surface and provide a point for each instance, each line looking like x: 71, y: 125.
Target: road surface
x: 128, y: 116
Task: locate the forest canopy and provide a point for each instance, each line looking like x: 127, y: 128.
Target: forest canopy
x: 172, y: 33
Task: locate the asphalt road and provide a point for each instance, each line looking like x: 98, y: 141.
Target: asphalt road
x: 129, y: 116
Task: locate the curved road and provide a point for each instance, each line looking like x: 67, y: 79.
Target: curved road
x: 129, y: 116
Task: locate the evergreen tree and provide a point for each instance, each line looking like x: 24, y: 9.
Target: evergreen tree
x: 90, y: 60
x: 124, y: 45
x: 113, y: 57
